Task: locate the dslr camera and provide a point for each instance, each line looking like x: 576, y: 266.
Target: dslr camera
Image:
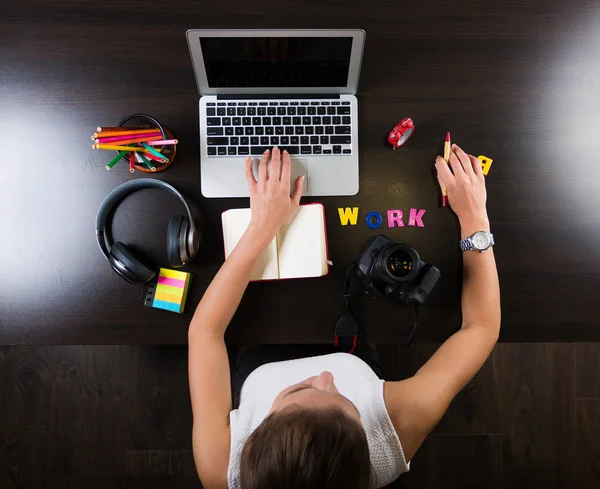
x: 395, y: 271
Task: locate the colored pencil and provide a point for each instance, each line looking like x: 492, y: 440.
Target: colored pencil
x: 131, y: 161
x: 162, y: 141
x: 106, y: 134
x: 152, y: 150
x: 117, y: 148
x: 123, y: 128
x: 117, y: 128
x: 447, y: 158
x: 162, y: 159
x: 132, y: 138
x: 114, y: 161
x: 146, y: 162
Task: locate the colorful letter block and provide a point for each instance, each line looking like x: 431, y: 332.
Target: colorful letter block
x: 394, y: 218
x: 348, y: 215
x: 378, y: 219
x: 486, y: 163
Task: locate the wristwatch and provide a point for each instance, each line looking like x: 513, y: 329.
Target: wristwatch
x: 479, y: 241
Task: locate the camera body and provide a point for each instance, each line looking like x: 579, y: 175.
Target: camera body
x: 395, y: 271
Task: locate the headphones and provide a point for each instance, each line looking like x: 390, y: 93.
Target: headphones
x: 183, y: 238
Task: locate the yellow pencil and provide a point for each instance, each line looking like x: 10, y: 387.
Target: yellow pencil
x: 117, y: 148
x: 447, y: 158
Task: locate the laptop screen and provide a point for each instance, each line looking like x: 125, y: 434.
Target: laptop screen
x: 256, y: 62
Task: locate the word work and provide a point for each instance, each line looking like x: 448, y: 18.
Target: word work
x: 374, y: 219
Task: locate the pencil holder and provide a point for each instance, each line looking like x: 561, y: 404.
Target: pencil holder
x: 145, y: 121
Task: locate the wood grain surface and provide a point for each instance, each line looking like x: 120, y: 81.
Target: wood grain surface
x: 120, y: 417
x: 515, y: 81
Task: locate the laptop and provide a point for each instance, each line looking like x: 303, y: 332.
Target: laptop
x: 288, y: 88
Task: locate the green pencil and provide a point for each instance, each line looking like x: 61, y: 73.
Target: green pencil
x: 115, y: 160
x: 154, y: 152
x: 147, y: 163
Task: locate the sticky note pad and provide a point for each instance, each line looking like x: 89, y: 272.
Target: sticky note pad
x: 168, y: 290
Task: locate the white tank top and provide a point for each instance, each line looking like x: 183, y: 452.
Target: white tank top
x: 353, y: 378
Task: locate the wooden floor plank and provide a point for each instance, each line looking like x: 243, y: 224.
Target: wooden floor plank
x: 159, y: 482
x: 159, y: 409
x: 126, y: 482
x: 123, y: 420
x: 451, y: 461
x: 26, y: 403
x: 89, y: 435
x: 476, y: 409
x: 587, y: 356
x: 37, y: 460
x: 12, y: 459
x: 161, y: 462
x: 538, y: 409
x: 588, y: 443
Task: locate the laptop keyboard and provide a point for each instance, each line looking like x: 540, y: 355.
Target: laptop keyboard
x: 314, y: 127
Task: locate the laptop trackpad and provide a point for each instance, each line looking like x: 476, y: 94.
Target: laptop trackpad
x: 299, y: 168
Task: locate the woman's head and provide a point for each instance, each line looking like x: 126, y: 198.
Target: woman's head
x: 312, y: 438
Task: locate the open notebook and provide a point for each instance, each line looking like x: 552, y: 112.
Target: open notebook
x: 298, y: 251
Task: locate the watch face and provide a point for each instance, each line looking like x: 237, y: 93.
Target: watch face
x: 481, y: 240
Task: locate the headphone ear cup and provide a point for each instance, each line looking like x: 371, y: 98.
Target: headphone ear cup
x: 127, y: 265
x: 193, y: 239
x: 174, y: 242
x: 184, y: 254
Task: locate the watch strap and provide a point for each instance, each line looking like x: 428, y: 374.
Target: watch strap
x: 467, y: 243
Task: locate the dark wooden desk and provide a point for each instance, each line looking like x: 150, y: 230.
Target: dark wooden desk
x: 514, y: 81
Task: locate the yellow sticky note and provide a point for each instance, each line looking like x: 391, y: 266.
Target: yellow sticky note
x: 165, y: 296
x: 167, y: 289
x: 486, y: 163
x: 165, y: 272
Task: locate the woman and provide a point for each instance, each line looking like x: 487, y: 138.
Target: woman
x: 327, y: 421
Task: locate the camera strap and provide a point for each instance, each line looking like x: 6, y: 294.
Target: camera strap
x: 415, y: 324
x: 346, y: 329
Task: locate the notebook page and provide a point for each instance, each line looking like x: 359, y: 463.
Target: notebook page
x: 235, y: 222
x: 301, y: 244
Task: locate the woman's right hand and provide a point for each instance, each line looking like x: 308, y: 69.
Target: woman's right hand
x: 466, y: 188
x: 270, y: 198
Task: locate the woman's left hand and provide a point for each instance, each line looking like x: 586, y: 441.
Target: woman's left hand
x: 270, y: 199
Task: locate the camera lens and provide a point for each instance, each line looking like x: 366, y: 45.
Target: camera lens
x: 399, y: 263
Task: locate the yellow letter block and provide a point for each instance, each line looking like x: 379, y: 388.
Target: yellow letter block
x: 485, y: 163
x: 348, y: 214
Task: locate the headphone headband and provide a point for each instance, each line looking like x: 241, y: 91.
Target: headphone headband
x: 103, y: 237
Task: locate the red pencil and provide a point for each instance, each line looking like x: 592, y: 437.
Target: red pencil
x: 131, y: 161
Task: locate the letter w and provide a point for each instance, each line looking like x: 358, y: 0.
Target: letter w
x: 348, y: 214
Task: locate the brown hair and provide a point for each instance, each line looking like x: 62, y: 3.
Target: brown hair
x: 306, y: 449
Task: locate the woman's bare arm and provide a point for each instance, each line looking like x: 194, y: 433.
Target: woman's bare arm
x: 210, y: 387
x: 417, y: 404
